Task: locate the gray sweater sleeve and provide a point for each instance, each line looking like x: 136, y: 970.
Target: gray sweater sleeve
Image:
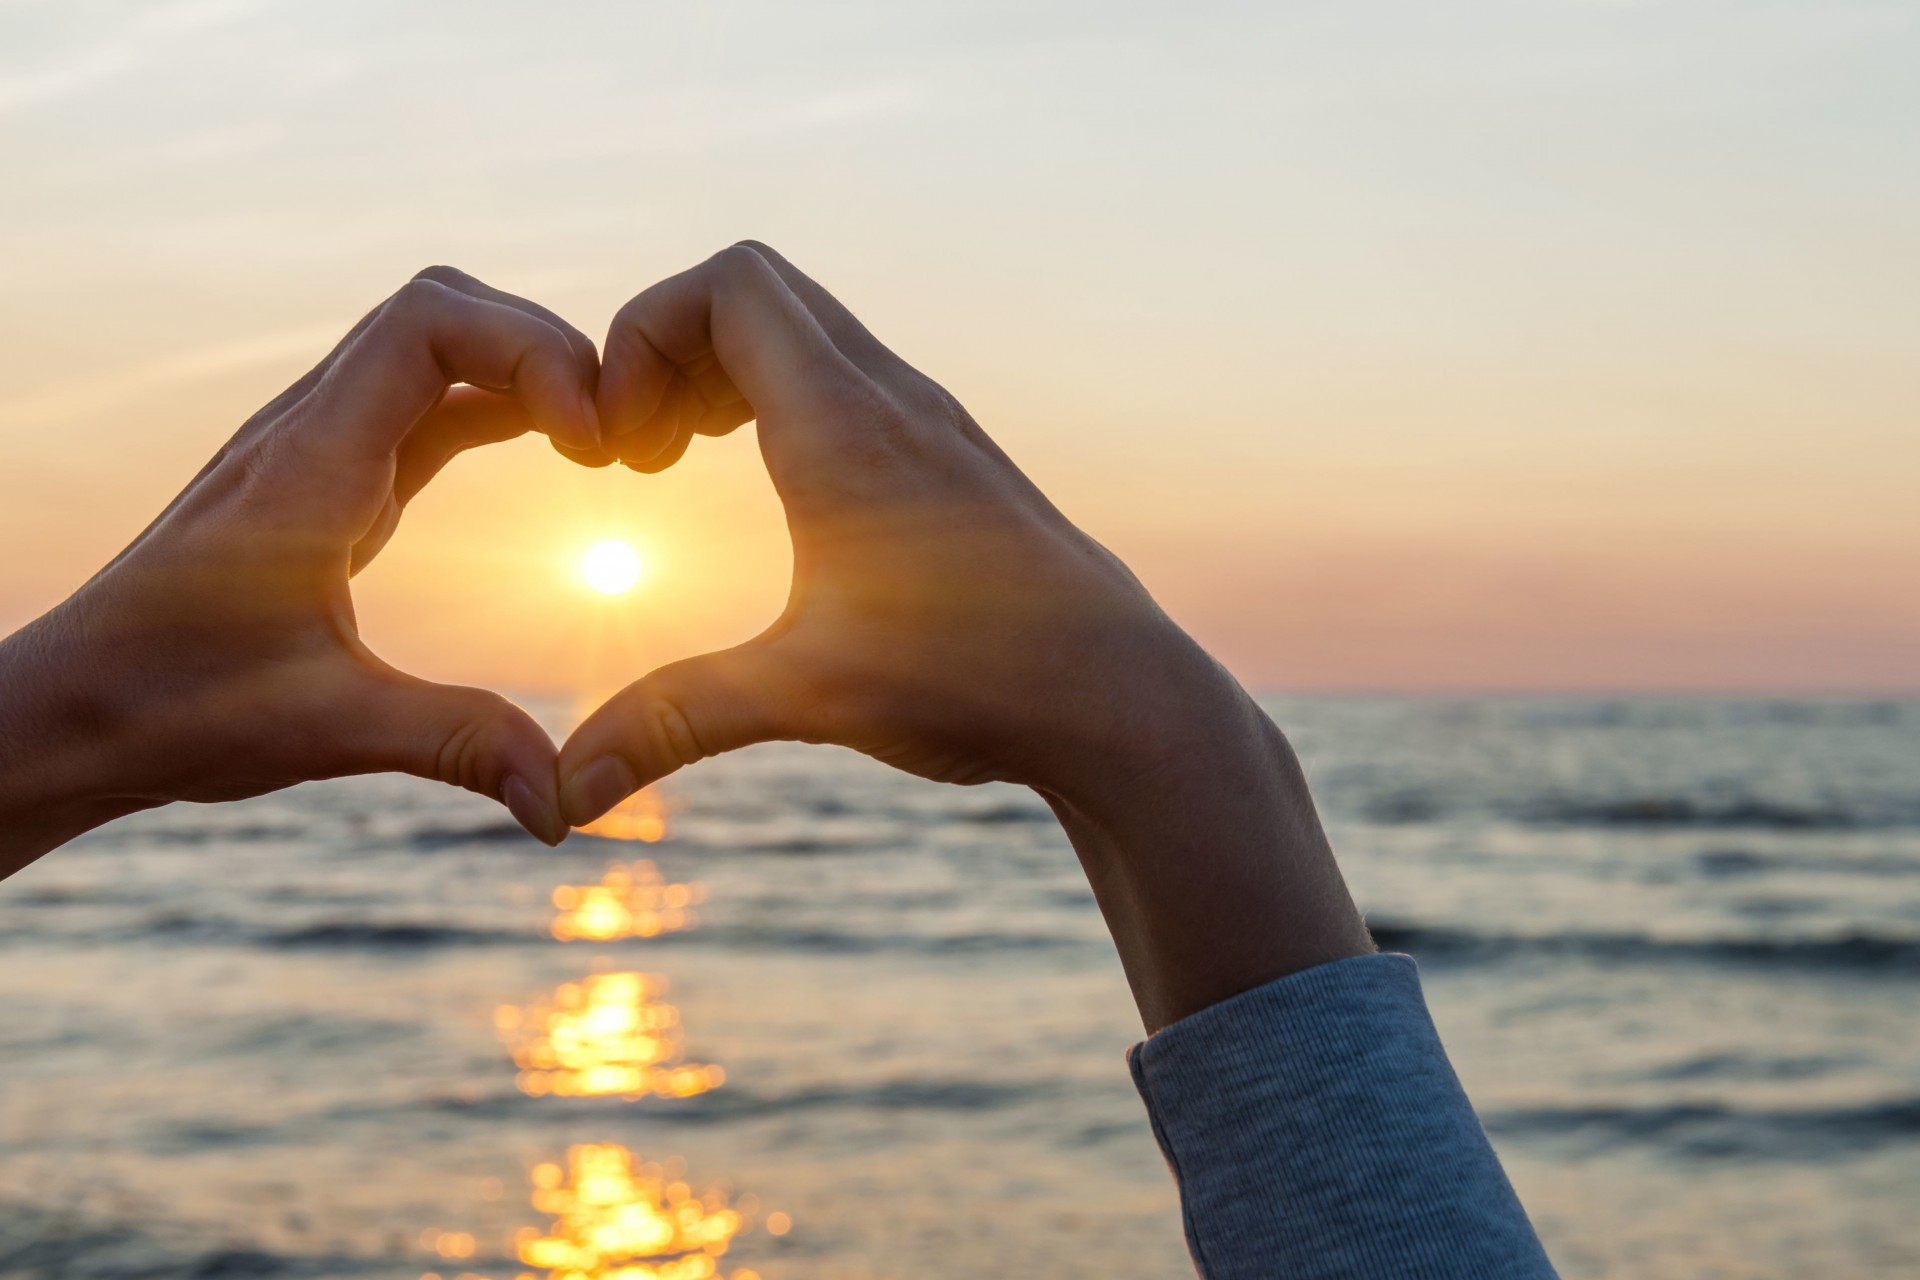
x: 1316, y: 1129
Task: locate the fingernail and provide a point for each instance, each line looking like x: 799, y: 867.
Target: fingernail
x: 531, y: 812
x: 590, y: 418
x: 596, y: 787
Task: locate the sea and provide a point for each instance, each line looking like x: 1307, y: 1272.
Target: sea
x: 791, y: 1015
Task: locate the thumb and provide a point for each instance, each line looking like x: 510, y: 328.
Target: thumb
x: 470, y: 738
x: 681, y: 713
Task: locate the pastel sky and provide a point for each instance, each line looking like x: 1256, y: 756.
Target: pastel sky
x: 1502, y: 344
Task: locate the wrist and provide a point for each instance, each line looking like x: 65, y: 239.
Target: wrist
x: 1166, y: 720
x: 57, y: 777
x: 1208, y: 859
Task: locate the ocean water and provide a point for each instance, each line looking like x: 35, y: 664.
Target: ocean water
x: 368, y: 1029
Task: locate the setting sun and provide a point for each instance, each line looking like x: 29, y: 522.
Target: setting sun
x: 610, y: 567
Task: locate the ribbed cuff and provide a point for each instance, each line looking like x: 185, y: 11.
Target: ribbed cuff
x: 1316, y: 1129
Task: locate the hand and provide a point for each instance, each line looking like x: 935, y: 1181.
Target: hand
x: 947, y: 619
x: 217, y: 656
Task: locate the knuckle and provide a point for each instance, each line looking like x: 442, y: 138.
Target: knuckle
x: 673, y: 733
x: 739, y: 266
x: 457, y: 760
x: 628, y: 325
x: 414, y: 299
x: 440, y: 273
x: 463, y: 754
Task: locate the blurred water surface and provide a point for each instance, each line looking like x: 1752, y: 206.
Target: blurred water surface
x: 860, y: 1025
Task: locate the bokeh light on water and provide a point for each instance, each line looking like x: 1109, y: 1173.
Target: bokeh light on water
x: 611, y: 1215
x: 629, y: 902
x: 609, y: 1035
x: 1671, y: 944
x: 642, y: 816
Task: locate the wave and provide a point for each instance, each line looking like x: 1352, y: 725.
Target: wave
x: 1689, y: 811
x: 1414, y: 805
x: 410, y: 935
x: 736, y: 1102
x: 1729, y: 863
x: 358, y: 936
x: 1711, y: 1130
x: 841, y: 942
x: 1854, y: 952
x: 1749, y: 1067
x: 344, y: 935
x: 433, y: 839
x: 37, y: 1242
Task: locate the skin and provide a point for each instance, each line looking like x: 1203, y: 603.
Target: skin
x: 217, y: 657
x: 946, y: 619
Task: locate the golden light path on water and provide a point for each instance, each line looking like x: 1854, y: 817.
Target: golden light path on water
x: 607, y: 1036
x: 629, y: 902
x: 610, y: 1214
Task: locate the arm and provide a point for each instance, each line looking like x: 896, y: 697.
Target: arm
x: 217, y: 656
x: 947, y: 619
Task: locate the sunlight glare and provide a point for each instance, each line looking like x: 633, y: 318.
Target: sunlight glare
x: 611, y: 567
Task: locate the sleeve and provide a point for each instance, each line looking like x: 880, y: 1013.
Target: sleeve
x: 1316, y: 1129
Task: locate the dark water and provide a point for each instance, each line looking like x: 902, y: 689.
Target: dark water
x: 1674, y: 947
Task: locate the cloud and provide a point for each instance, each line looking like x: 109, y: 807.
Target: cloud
x: 118, y: 52
x: 81, y: 400
x: 68, y: 78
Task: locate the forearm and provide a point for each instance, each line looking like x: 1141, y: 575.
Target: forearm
x: 1306, y: 1107
x: 1208, y: 859
x: 55, y: 782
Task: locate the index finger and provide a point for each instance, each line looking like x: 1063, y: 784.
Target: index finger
x: 733, y: 307
x: 429, y: 337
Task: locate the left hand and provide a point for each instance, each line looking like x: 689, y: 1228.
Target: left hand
x: 217, y: 657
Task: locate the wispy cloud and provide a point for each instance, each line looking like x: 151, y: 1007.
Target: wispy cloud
x: 73, y: 401
x: 117, y: 52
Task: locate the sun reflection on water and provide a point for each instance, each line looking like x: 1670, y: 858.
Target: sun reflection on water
x: 615, y: 1217
x: 619, y: 1219
x: 610, y: 1035
x: 629, y: 902
x: 641, y: 816
x: 612, y: 1216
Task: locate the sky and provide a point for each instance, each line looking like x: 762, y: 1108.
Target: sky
x: 1528, y: 345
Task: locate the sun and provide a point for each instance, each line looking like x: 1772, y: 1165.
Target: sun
x: 611, y: 567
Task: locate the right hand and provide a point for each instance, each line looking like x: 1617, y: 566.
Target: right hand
x: 944, y: 617
x: 947, y: 619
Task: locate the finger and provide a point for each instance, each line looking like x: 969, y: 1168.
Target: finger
x: 585, y: 457
x: 583, y: 349
x: 429, y: 337
x: 713, y: 405
x: 377, y: 535
x: 854, y: 339
x: 733, y: 309
x: 468, y: 738
x: 665, y: 423
x: 679, y: 714
x: 464, y: 418
x: 675, y: 450
x: 311, y: 378
x: 454, y: 278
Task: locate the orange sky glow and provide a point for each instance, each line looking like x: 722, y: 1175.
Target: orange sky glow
x: 1555, y: 347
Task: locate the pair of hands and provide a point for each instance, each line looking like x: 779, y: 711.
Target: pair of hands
x: 944, y: 617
